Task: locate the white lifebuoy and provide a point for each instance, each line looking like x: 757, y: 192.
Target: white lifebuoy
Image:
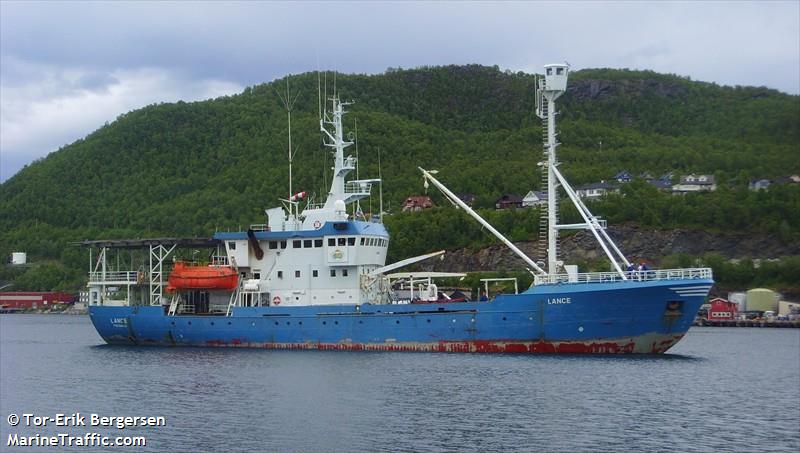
x: 317, y: 224
x: 276, y: 300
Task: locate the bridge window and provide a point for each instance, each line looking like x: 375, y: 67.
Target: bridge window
x: 296, y: 274
x: 344, y: 272
x: 362, y: 241
x: 256, y: 274
x: 283, y: 244
x: 333, y: 272
x: 342, y: 241
x: 297, y: 244
x: 351, y: 241
x: 308, y: 243
x: 280, y: 274
x: 331, y: 242
x: 315, y: 273
x: 317, y: 242
x: 273, y: 245
x: 232, y: 245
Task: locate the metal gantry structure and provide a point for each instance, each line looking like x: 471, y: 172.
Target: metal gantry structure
x: 159, y: 250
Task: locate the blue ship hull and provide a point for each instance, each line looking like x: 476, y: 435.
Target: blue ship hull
x: 618, y: 317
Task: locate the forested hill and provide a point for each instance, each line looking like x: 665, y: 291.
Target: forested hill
x: 189, y: 168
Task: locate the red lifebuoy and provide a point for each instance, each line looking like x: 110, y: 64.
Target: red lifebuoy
x: 276, y: 300
x: 317, y: 224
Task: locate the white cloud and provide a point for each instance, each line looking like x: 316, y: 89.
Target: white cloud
x: 56, y: 106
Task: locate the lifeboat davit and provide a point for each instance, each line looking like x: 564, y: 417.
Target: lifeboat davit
x: 186, y: 276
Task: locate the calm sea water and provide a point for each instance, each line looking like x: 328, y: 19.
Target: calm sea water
x: 719, y: 389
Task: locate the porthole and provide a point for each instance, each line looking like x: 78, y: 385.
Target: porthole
x: 212, y: 323
x: 276, y: 323
x: 190, y: 323
x: 300, y: 322
x: 229, y: 323
x: 173, y: 323
x: 504, y: 318
x: 429, y: 321
x: 336, y: 322
x: 324, y: 323
x: 397, y: 322
x: 288, y: 323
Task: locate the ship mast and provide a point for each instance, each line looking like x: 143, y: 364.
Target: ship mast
x: 549, y: 88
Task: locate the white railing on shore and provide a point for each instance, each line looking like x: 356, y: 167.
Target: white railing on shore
x: 115, y: 277
x: 637, y: 276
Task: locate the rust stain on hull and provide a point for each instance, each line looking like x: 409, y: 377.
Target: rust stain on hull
x: 649, y: 345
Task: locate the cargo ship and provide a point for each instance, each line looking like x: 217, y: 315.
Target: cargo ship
x: 317, y: 278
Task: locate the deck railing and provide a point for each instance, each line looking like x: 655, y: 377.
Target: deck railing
x: 636, y: 276
x: 117, y: 277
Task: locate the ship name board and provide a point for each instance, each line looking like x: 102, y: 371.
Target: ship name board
x: 559, y: 300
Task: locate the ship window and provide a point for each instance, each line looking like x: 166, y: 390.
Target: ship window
x: 331, y: 241
x: 362, y: 241
x: 351, y: 241
x: 342, y: 241
x: 283, y: 244
x: 315, y: 273
x: 296, y: 274
x: 344, y: 272
x: 232, y: 245
x: 308, y: 243
x: 273, y: 245
x: 317, y: 242
x: 280, y: 274
x: 297, y: 244
x: 559, y: 71
x: 333, y: 272
x: 256, y: 274
x: 549, y: 71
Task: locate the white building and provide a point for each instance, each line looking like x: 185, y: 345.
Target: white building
x: 695, y: 183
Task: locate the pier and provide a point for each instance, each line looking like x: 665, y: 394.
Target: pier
x: 747, y: 323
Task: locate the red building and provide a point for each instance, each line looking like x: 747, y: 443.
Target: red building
x: 34, y: 300
x: 417, y: 203
x: 722, y: 310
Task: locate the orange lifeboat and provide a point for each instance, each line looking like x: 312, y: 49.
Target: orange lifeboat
x: 186, y: 276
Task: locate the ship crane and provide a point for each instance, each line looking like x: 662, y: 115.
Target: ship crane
x: 453, y: 198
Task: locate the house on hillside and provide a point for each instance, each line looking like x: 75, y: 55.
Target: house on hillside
x: 534, y: 199
x: 792, y: 179
x: 595, y: 190
x: 508, y: 201
x: 667, y: 177
x: 467, y: 198
x: 417, y: 203
x: 647, y: 176
x: 623, y: 177
x: 695, y: 183
x: 760, y: 184
x: 660, y: 184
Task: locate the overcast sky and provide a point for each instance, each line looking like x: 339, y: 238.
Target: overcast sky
x: 68, y: 67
